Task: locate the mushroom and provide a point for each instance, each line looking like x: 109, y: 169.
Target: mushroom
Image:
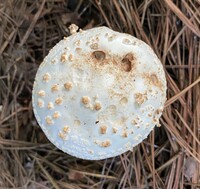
x: 99, y: 93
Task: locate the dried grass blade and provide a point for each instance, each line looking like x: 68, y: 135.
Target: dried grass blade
x: 182, y: 17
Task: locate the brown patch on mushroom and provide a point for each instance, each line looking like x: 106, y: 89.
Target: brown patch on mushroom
x: 114, y: 129
x: 99, y: 55
x: 63, y: 57
x: 53, y: 61
x: 78, y: 50
x: 97, y: 106
x: 65, y: 129
x: 159, y: 111
x: 56, y: 115
x: 140, y: 98
x: 137, y: 122
x: 46, y: 77
x: 68, y: 85
x: 73, y: 29
x: 77, y: 43
x: 158, y: 124
x: 156, y: 121
x: 62, y: 135
x: 123, y: 101
x: 121, y: 121
x: 111, y: 38
x: 134, y: 122
x: 106, y: 143
x: 127, y: 62
x: 126, y: 41
x: 40, y: 103
x: 125, y: 134
x: 77, y: 122
x: 155, y: 81
x: 55, y: 88
x: 41, y: 93
x: 103, y: 129
x: 85, y: 100
x: 94, y: 46
x: 71, y: 58
x: 58, y: 100
x: 50, y: 105
x: 49, y: 120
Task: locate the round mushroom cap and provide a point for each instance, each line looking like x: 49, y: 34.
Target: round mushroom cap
x: 98, y: 93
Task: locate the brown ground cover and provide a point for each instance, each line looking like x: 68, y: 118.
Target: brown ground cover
x: 168, y: 158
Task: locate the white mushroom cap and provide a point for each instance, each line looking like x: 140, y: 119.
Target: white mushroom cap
x: 98, y: 93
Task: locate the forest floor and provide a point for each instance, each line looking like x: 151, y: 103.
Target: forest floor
x: 170, y: 156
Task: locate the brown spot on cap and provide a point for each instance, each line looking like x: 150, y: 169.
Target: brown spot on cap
x: 127, y: 62
x: 123, y: 101
x: 155, y: 81
x: 55, y: 88
x: 78, y: 50
x: 137, y: 121
x: 85, y: 100
x: 114, y: 129
x: 71, y: 58
x: 66, y: 129
x: 56, y: 115
x: 58, y: 100
x: 40, y: 103
x: 68, y: 85
x: 103, y: 129
x: 77, y: 43
x: 112, y: 37
x: 99, y: 55
x: 154, y: 78
x: 53, y: 61
x: 106, y: 143
x: 77, y: 122
x: 41, y: 93
x: 97, y: 106
x: 159, y: 111
x: 134, y: 122
x: 140, y: 98
x: 156, y: 121
x: 125, y: 134
x: 49, y: 120
x: 94, y: 46
x: 50, y: 105
x: 158, y: 124
x: 73, y: 29
x: 63, y: 57
x: 126, y: 41
x: 46, y: 77
x: 62, y: 135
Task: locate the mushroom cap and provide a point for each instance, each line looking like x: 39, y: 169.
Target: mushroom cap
x: 98, y: 93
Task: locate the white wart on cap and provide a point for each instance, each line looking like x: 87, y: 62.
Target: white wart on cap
x: 98, y: 93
